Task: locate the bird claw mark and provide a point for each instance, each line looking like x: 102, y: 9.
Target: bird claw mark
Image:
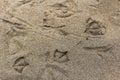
x: 100, y: 48
x: 49, y: 23
x: 65, y: 9
x: 21, y: 3
x: 62, y: 32
x: 96, y: 4
x: 13, y: 23
x: 50, y: 26
x: 100, y: 55
x: 95, y: 27
x: 61, y: 56
x: 20, y: 64
x: 16, y: 31
x: 23, y: 21
x: 59, y: 11
x: 25, y: 1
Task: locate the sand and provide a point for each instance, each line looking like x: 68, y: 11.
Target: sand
x: 59, y: 39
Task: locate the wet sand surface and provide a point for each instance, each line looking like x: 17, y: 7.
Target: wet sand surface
x: 59, y: 39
